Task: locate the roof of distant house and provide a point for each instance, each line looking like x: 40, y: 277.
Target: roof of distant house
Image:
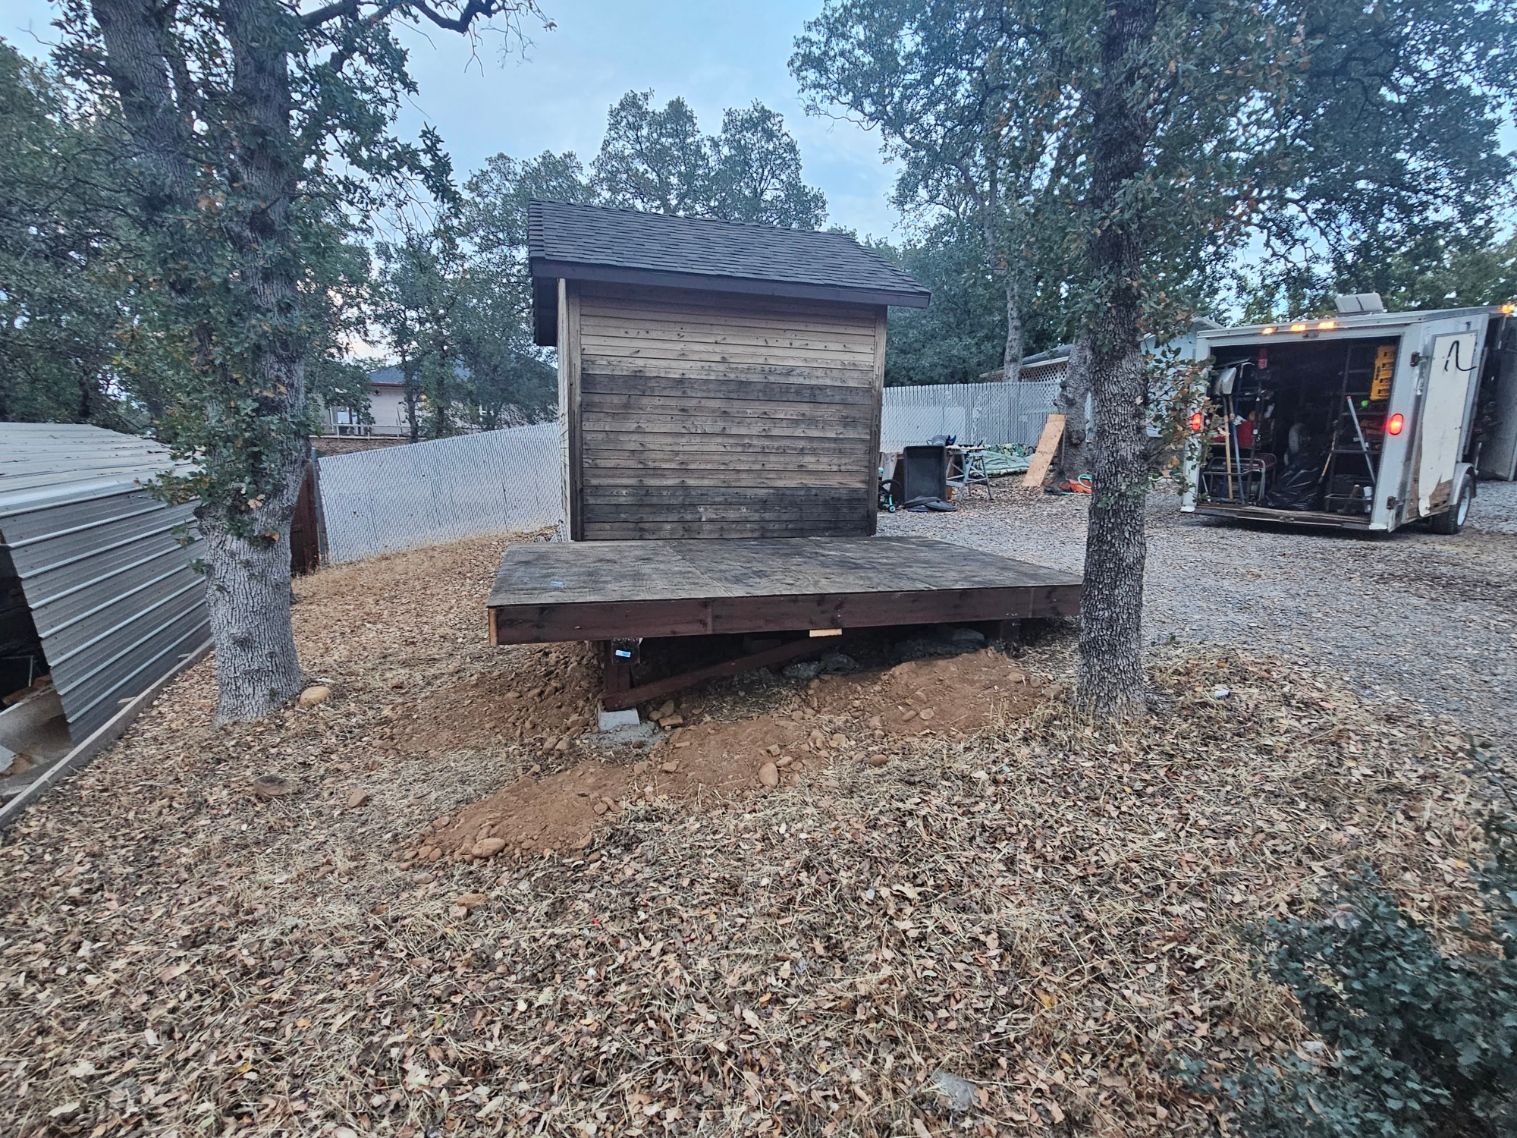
x: 391, y: 376
x: 596, y: 243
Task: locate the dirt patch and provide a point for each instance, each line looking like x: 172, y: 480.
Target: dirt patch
x: 855, y: 718
x: 946, y: 696
x: 545, y: 695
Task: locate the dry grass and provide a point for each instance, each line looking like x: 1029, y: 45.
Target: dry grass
x: 1050, y: 910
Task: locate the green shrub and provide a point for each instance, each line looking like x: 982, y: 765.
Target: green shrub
x: 1408, y: 1040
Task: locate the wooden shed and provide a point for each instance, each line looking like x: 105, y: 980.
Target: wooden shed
x: 715, y: 380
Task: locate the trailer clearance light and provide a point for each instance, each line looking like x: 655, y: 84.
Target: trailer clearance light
x: 1197, y: 421
x: 1327, y: 325
x: 1508, y: 308
x: 1298, y: 327
x: 1268, y: 330
x: 1395, y: 423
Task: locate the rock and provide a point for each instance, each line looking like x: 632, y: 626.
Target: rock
x: 835, y: 663
x: 601, y: 807
x: 487, y: 847
x: 878, y: 760
x: 672, y: 721
x: 357, y: 798
x: 1221, y: 691
x: 774, y: 748
x: 662, y: 711
x: 959, y: 1094
x: 267, y: 786
x: 802, y: 670
x: 926, y: 714
x: 838, y: 741
x: 562, y: 744
x: 769, y: 774
x: 472, y: 900
x: 669, y: 767
x: 313, y: 695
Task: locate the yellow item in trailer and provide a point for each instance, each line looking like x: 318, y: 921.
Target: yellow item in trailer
x: 1385, y: 368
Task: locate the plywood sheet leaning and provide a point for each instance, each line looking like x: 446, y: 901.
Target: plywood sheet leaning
x: 1042, y: 458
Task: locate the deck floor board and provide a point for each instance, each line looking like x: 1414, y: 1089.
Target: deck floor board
x: 601, y: 589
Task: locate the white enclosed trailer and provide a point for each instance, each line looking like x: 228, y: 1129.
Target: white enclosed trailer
x: 1365, y: 420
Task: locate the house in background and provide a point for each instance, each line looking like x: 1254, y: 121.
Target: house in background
x: 387, y: 408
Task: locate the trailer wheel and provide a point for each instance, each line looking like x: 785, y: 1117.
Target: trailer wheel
x: 1452, y: 520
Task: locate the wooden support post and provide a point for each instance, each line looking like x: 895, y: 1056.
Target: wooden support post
x: 619, y: 697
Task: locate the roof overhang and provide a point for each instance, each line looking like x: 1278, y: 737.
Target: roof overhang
x: 546, y: 274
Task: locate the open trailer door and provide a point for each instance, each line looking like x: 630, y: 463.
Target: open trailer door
x: 1498, y: 411
x: 1443, y: 420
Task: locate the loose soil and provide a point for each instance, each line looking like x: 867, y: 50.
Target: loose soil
x: 847, y: 718
x: 1054, y: 911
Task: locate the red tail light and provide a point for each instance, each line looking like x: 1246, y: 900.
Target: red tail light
x: 1198, y: 420
x: 1395, y: 423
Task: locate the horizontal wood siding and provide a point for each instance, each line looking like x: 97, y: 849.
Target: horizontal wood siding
x: 704, y: 415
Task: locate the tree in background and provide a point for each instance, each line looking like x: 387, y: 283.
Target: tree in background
x: 978, y: 103
x: 61, y: 282
x: 1387, y: 156
x: 240, y: 124
x: 659, y: 161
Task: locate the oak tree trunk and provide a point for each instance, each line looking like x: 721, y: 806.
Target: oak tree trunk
x: 1011, y: 355
x: 1073, y: 402
x: 1111, y: 621
x: 246, y: 527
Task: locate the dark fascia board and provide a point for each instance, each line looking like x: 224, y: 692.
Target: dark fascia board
x: 545, y: 274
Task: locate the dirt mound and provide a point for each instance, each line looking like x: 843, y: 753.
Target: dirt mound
x: 543, y: 694
x: 952, y: 695
x: 559, y: 812
x: 840, y: 718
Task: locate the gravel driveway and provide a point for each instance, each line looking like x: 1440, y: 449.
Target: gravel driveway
x: 1415, y: 613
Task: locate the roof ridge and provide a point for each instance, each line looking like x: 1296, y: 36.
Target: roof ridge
x: 687, y: 217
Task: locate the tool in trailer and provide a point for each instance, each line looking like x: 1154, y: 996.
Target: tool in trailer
x: 1364, y: 446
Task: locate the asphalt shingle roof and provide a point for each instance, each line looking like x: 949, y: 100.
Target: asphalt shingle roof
x: 588, y: 242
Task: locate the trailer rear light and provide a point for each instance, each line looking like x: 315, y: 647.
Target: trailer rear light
x: 1394, y: 425
x: 1197, y: 421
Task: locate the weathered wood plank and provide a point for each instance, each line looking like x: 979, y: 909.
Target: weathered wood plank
x: 852, y: 428
x: 727, y: 352
x: 677, y: 327
x: 696, y: 369
x: 726, y: 408
x: 1042, y: 457
x: 765, y: 390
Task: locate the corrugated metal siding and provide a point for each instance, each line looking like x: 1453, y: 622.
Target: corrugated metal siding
x: 108, y: 574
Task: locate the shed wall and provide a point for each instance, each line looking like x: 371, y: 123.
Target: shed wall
x: 704, y: 415
x: 113, y: 593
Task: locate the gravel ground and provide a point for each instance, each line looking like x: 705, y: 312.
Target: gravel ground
x: 1412, y: 613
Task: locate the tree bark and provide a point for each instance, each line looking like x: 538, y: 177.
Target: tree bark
x: 247, y: 530
x: 1111, y: 681
x: 1011, y: 355
x: 1073, y: 402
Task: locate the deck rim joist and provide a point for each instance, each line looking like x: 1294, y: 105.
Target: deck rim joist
x: 705, y: 587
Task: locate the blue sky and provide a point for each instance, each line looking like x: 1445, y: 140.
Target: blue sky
x: 714, y: 54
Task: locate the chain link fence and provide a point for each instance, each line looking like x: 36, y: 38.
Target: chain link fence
x: 993, y: 413
x: 381, y: 501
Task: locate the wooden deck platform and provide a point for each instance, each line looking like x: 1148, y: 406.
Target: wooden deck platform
x: 616, y: 590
